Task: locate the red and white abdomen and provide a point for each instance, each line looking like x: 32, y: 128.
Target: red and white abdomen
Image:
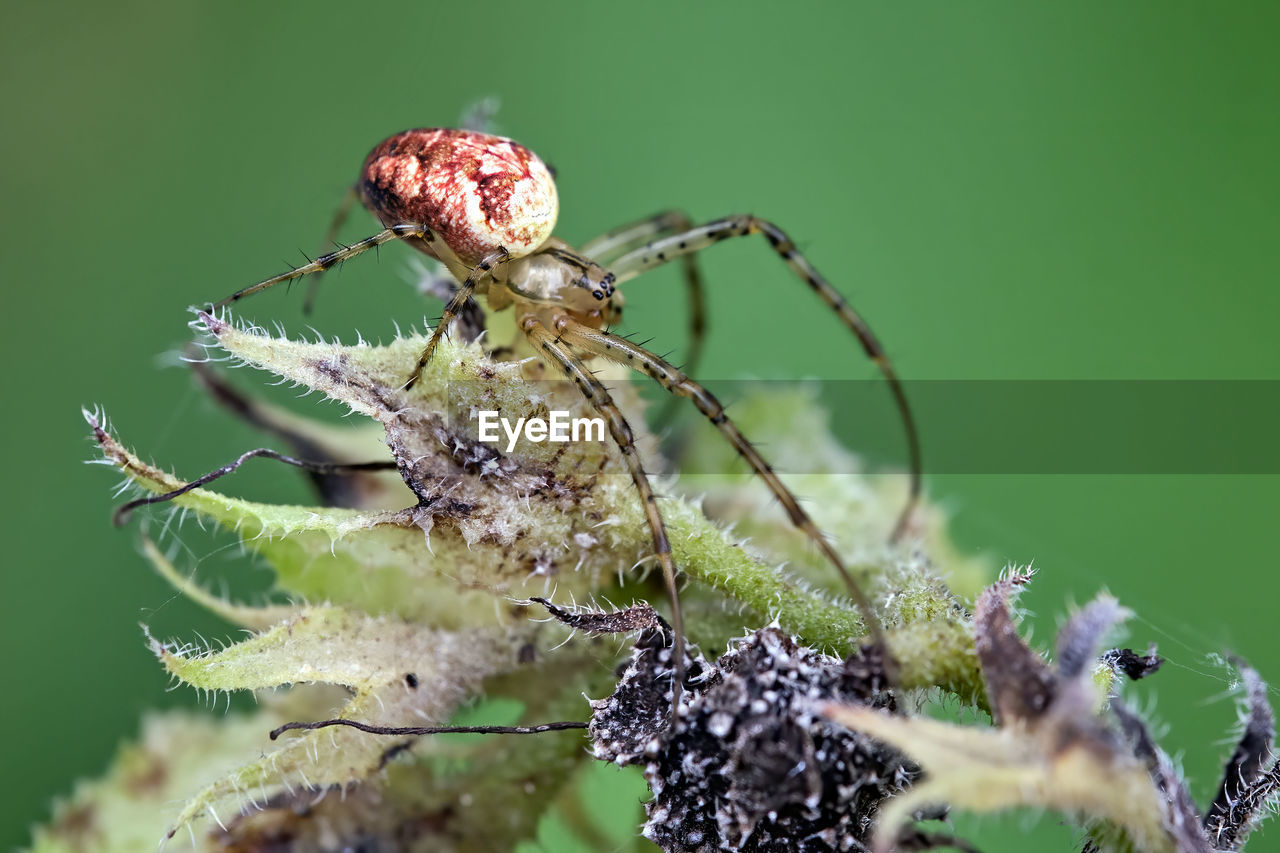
x: 478, y: 192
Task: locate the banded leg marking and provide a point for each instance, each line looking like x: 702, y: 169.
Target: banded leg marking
x: 621, y: 350
x: 330, y: 238
x: 395, y: 232
x: 454, y: 307
x: 667, y: 249
x: 598, y: 396
x: 616, y: 243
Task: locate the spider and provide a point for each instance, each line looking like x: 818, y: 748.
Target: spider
x: 485, y: 207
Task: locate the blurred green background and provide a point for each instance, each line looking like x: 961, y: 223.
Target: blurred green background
x: 1027, y: 191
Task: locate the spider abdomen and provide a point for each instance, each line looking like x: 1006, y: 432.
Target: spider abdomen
x: 478, y: 192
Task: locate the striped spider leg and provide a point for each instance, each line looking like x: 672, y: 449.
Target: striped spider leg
x: 331, y: 239
x: 617, y: 242
x: 405, y: 231
x: 666, y: 249
x: 485, y: 268
x: 595, y: 342
x: 340, y: 216
x: 409, y: 232
x: 598, y: 396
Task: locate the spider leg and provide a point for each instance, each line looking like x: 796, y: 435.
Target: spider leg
x: 623, y: 351
x: 470, y: 320
x: 666, y: 249
x: 454, y: 306
x: 330, y: 237
x: 614, y: 244
x: 598, y: 396
x: 122, y: 512
x: 618, y: 241
x: 395, y: 232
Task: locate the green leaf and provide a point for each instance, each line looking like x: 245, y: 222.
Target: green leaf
x: 397, y: 674
x: 1052, y: 749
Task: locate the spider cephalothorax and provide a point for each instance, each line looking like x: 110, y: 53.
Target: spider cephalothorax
x: 486, y: 207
